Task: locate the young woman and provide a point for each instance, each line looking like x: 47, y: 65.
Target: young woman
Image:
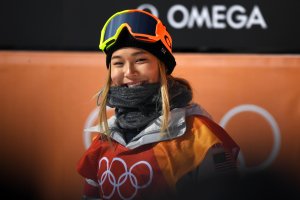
x: 159, y: 144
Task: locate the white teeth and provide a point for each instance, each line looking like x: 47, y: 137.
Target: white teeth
x: 134, y: 84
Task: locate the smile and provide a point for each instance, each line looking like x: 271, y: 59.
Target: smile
x: 134, y: 84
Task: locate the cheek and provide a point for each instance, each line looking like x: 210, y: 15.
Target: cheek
x: 116, y: 77
x: 153, y: 74
x: 154, y: 78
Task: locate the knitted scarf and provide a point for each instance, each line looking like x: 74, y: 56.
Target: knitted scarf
x: 136, y: 107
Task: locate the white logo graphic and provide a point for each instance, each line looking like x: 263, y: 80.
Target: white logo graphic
x: 276, y: 134
x: 149, y: 7
x: 89, y: 123
x: 212, y: 17
x: 128, y: 176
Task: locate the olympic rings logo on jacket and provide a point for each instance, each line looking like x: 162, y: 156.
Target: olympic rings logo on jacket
x: 127, y: 179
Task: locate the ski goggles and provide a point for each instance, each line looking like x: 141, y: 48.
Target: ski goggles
x: 142, y: 25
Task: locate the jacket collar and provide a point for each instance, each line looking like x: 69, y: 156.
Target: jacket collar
x: 152, y: 134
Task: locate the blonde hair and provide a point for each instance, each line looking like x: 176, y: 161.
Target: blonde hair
x: 164, y: 96
x: 104, y: 129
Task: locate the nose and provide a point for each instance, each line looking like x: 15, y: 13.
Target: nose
x: 130, y: 70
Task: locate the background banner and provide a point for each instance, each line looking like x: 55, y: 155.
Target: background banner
x: 257, y: 26
x: 47, y: 101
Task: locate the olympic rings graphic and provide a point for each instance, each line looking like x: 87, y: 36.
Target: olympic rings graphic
x: 89, y: 123
x: 275, y: 129
x: 116, y: 182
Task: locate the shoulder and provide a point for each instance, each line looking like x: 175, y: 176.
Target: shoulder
x: 200, y: 122
x: 87, y: 164
x: 209, y: 129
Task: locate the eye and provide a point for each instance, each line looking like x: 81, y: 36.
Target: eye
x: 141, y: 60
x: 117, y: 64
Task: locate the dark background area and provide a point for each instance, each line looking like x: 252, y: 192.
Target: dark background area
x: 76, y: 25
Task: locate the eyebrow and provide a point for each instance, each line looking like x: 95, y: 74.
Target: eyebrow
x: 133, y: 54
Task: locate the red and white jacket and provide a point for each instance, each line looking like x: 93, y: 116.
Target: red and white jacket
x: 156, y: 166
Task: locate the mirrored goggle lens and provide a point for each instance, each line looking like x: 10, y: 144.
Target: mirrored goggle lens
x: 138, y: 22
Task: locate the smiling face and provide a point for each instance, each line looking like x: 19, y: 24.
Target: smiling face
x: 133, y: 66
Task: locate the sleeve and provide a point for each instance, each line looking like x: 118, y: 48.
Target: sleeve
x: 215, y: 178
x: 87, y: 167
x: 90, y: 190
x: 217, y: 162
